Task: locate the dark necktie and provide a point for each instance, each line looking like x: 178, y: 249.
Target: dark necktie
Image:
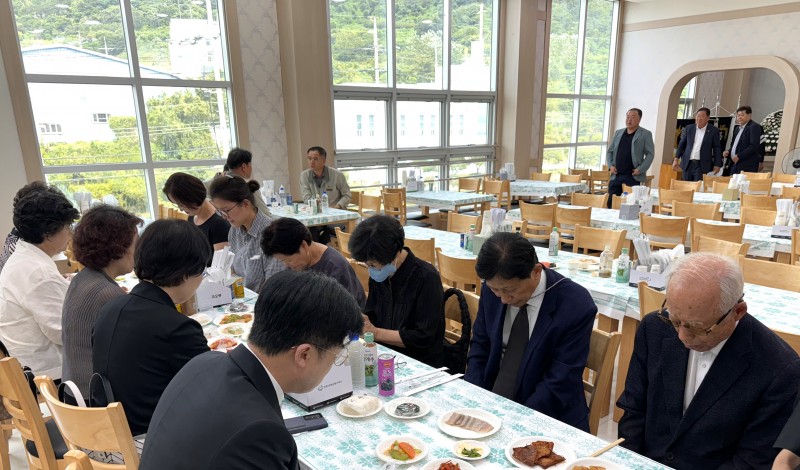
x: 515, y: 349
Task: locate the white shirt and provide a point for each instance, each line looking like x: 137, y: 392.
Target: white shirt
x: 275, y: 385
x: 698, y: 366
x: 31, y: 298
x: 736, y: 140
x: 534, y: 304
x: 698, y: 141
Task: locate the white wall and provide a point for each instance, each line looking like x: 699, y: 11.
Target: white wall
x: 13, y: 175
x: 667, y: 9
x: 766, y: 93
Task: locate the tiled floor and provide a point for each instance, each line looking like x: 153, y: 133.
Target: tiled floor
x: 17, y: 453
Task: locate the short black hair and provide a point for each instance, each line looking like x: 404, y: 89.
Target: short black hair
x: 745, y: 108
x: 638, y: 111
x: 169, y: 251
x: 29, y: 188
x: 705, y: 110
x: 185, y: 189
x: 238, y: 157
x: 378, y: 238
x: 103, y: 235
x: 234, y: 189
x: 508, y: 255
x: 319, y: 150
x: 41, y: 213
x: 303, y: 307
x: 284, y: 237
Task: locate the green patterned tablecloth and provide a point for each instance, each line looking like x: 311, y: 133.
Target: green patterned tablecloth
x: 730, y: 209
x: 544, y: 188
x: 448, y: 200
x: 329, y: 217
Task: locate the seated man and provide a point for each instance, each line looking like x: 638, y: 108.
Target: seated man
x: 222, y: 411
x: 708, y: 386
x: 536, y: 359
x: 789, y: 443
x: 289, y: 241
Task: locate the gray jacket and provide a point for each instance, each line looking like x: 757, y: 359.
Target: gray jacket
x: 642, y: 151
x: 333, y: 182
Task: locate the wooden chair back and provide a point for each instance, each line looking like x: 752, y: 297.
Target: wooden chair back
x: 535, y: 176
x: 792, y: 340
x: 370, y: 205
x: 459, y: 223
x: 355, y: 201
x: 583, y: 172
x: 795, y: 253
x: 627, y: 189
x: 771, y: 274
x: 163, y: 212
x: 720, y: 247
x: 77, y: 460
x: 423, y: 249
x: 784, y: 178
x: 719, y: 187
x: 342, y: 241
x: 697, y: 211
x: 790, y: 192
x: 760, y: 186
x: 650, y: 300
x: 681, y: 185
x: 540, y: 220
x: 567, y: 218
x: 616, y: 201
x: 452, y: 315
x: 592, y: 240
x: 708, y: 182
x: 729, y: 232
x: 748, y: 215
x: 603, y: 349
x: 562, y: 178
x: 598, y: 181
x: 756, y: 201
x: 394, y: 205
x: 501, y: 190
x: 599, y: 201
x: 470, y: 185
x: 362, y: 273
x: 667, y: 197
x: 458, y: 272
x: 664, y: 232
x: 752, y: 175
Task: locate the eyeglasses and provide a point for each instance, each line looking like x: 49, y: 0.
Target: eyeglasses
x: 314, y: 159
x: 694, y: 330
x: 226, y: 212
x: 340, y: 357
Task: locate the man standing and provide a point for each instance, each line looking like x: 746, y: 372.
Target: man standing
x: 222, y: 411
x: 321, y: 178
x: 699, y: 149
x: 530, y: 340
x: 708, y: 386
x: 745, y: 152
x: 630, y: 154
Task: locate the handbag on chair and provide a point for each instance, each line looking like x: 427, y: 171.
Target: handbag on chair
x: 455, y: 354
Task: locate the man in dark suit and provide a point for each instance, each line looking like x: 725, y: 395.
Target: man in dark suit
x: 530, y: 340
x: 708, y: 386
x: 222, y: 411
x: 745, y: 152
x: 699, y: 149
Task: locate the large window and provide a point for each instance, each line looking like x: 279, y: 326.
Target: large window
x: 414, y: 88
x: 581, y: 61
x: 124, y: 92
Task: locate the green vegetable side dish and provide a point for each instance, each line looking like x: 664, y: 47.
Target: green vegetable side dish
x: 397, y: 453
x: 472, y: 453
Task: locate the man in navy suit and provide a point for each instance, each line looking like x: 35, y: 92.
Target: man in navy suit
x: 222, y: 411
x: 708, y: 386
x: 699, y: 149
x: 535, y: 358
x: 745, y: 152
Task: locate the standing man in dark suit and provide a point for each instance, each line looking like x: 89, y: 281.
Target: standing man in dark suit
x: 699, y: 149
x: 630, y: 154
x: 708, y: 386
x: 530, y: 340
x: 745, y: 152
x: 222, y: 411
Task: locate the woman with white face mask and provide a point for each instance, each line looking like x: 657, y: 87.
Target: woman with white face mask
x: 405, y: 309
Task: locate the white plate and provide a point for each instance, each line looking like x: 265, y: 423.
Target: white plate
x: 202, y: 318
x: 385, y: 444
x: 249, y: 308
x: 462, y: 433
x: 587, y: 461
x: 436, y: 463
x: 485, y: 450
x: 341, y: 410
x: 235, y: 342
x: 218, y: 320
x: 559, y: 448
x: 224, y: 330
x: 424, y: 407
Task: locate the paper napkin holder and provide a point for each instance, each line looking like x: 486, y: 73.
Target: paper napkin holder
x: 629, y: 211
x: 335, y: 387
x: 657, y: 281
x: 477, y: 243
x: 781, y: 231
x: 212, y: 294
x: 730, y: 194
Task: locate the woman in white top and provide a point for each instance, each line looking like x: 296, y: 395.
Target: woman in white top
x: 31, y: 288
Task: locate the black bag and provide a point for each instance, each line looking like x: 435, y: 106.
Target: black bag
x: 100, y: 394
x: 455, y: 354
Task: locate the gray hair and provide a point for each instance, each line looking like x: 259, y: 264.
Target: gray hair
x: 705, y: 269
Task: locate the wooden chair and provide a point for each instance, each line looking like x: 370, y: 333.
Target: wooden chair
x: 567, y: 219
x: 583, y: 172
x: 791, y: 340
x: 468, y: 185
x: 540, y: 176
x: 760, y: 186
x: 501, y: 190
x: 719, y: 187
x: 720, y: 247
x: 751, y: 175
x: 362, y: 273
x: 784, y: 178
x: 681, y: 185
x: 795, y: 253
x: 748, y: 215
x: 540, y: 220
x: 458, y: 272
x: 596, y: 239
x: 759, y: 202
x: 697, y: 211
x: 98, y: 428
x: 343, y: 240
x: 627, y: 189
x: 452, y: 315
x: 771, y: 274
x: 729, y: 232
x: 599, y: 201
x: 603, y: 349
x: 370, y: 205
x: 664, y: 232
x: 355, y: 201
x: 44, y: 448
x: 163, y: 211
x: 459, y: 223
x: 423, y: 249
x: 394, y: 205
x: 667, y: 197
x: 562, y: 178
x: 616, y: 201
x: 77, y: 460
x: 598, y: 181
x: 708, y: 182
x: 790, y: 192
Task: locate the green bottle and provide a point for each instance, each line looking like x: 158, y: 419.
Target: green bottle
x: 370, y: 360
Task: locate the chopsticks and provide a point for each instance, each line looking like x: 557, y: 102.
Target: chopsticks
x: 608, y: 447
x: 418, y: 376
x: 432, y: 384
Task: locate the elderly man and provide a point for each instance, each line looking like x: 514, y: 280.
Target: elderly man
x: 223, y: 411
x: 630, y: 154
x: 699, y: 149
x: 321, y: 178
x: 708, y: 386
x: 745, y: 152
x: 530, y: 340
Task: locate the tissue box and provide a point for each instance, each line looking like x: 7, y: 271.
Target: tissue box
x: 657, y: 281
x: 629, y: 211
x: 729, y: 194
x: 647, y: 208
x: 336, y: 386
x: 212, y: 294
x: 781, y: 231
x: 477, y: 243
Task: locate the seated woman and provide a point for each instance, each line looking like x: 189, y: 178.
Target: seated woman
x: 189, y: 194
x: 234, y: 199
x: 31, y: 288
x: 140, y: 340
x: 13, y: 236
x: 405, y: 307
x: 289, y: 241
x: 103, y: 242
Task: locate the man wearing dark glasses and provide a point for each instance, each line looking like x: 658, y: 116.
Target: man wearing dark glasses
x: 708, y: 386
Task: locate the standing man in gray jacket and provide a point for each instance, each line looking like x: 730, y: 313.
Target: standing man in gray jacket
x: 630, y: 154
x: 319, y: 179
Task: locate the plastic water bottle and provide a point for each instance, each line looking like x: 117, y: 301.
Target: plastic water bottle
x: 470, y: 238
x: 606, y: 262
x: 355, y: 355
x: 797, y: 178
x: 623, y: 267
x: 282, y: 195
x: 370, y: 360
x: 324, y: 202
x: 552, y: 247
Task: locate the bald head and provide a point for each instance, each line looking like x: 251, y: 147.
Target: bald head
x: 719, y: 277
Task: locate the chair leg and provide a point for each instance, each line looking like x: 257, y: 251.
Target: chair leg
x: 5, y: 461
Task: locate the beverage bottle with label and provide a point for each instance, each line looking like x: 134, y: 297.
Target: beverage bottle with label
x: 370, y: 360
x: 355, y: 355
x: 282, y: 195
x: 552, y: 247
x: 606, y: 262
x: 324, y: 202
x: 623, y: 267
x: 469, y: 238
